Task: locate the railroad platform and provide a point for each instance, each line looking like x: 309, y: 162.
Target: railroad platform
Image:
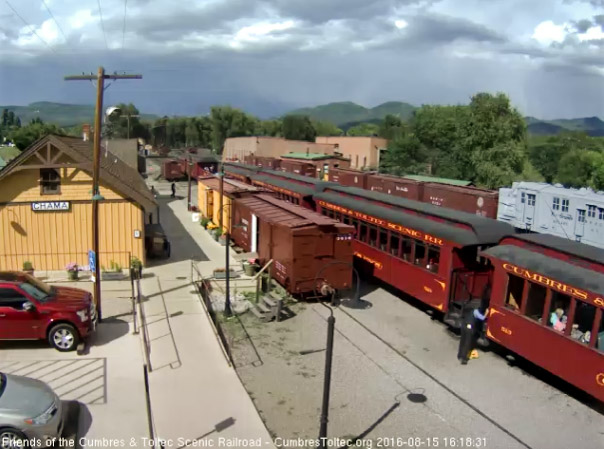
x: 195, y: 393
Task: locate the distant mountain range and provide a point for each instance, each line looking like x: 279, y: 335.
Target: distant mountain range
x: 347, y: 114
x: 61, y: 114
x: 343, y: 114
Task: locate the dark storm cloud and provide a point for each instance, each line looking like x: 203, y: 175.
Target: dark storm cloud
x: 440, y: 28
x: 321, y: 11
x: 583, y: 25
x: 157, y: 24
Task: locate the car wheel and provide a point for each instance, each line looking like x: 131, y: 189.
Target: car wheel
x: 12, y: 439
x: 64, y: 337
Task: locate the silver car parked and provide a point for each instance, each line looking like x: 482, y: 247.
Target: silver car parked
x: 31, y: 414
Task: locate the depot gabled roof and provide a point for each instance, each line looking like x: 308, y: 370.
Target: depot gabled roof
x: 113, y: 172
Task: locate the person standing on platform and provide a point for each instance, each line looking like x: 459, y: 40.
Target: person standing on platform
x: 173, y: 190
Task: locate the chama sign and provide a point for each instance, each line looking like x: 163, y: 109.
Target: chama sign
x: 50, y: 206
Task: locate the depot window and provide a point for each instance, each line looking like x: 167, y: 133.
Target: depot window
x: 513, y: 298
x: 564, y: 205
x: 556, y: 205
x: 50, y: 181
x: 591, y: 211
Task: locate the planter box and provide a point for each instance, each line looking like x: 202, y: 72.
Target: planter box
x: 223, y: 274
x: 72, y: 275
x: 112, y: 276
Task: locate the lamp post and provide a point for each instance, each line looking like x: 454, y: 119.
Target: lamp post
x: 331, y: 324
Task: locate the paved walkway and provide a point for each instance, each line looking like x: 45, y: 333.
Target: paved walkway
x: 195, y: 394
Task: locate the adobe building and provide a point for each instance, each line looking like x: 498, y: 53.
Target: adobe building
x: 363, y: 152
x: 46, y: 207
x: 237, y: 148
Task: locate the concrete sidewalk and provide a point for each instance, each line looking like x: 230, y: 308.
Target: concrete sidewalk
x: 193, y: 389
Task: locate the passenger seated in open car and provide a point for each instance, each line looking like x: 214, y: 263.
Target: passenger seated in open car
x: 558, y: 320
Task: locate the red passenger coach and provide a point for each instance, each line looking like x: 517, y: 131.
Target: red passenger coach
x: 547, y: 306
x: 427, y: 252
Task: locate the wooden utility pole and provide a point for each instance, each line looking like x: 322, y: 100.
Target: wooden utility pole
x: 96, y: 197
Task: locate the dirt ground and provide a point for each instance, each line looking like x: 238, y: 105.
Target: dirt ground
x: 282, y: 366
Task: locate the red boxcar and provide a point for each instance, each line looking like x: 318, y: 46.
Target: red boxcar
x: 394, y: 185
x: 546, y: 305
x: 467, y: 199
x: 286, y: 190
x: 172, y: 170
x: 299, y: 241
x: 350, y: 177
x: 299, y: 168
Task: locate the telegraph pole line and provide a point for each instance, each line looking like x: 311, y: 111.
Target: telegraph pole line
x: 100, y: 89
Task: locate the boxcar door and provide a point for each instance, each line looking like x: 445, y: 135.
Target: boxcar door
x: 529, y: 209
x: 579, y: 223
x: 254, y: 234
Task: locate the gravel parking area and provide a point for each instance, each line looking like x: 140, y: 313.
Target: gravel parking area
x: 380, y: 356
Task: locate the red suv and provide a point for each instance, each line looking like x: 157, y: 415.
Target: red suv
x: 33, y: 310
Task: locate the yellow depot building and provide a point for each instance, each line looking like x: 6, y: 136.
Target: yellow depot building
x: 46, y: 207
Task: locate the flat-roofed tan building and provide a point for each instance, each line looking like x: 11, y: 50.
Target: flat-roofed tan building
x: 363, y: 152
x: 236, y: 148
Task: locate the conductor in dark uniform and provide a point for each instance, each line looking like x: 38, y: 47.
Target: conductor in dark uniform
x: 472, y: 320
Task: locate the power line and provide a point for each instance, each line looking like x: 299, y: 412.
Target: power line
x: 53, y: 18
x: 124, y: 28
x: 29, y: 26
x: 102, y: 23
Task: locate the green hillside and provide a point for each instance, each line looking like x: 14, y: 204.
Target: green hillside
x: 347, y: 112
x: 592, y: 126
x: 61, y: 114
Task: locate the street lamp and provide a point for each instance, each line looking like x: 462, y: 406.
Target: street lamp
x: 325, y: 290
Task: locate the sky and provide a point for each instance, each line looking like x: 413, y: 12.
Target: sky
x: 270, y: 56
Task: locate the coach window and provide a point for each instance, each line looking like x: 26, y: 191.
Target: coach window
x: 373, y: 236
x: 395, y: 243
x: 355, y: 223
x: 407, y: 251
x: 583, y: 322
x: 513, y: 298
x: 420, y: 254
x: 383, y: 239
x: 433, y: 258
x: 558, y: 311
x: 345, y: 219
x: 535, y: 302
x: 362, y: 232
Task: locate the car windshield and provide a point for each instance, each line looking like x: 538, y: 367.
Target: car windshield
x: 2, y: 383
x: 38, y: 284
x: 38, y: 290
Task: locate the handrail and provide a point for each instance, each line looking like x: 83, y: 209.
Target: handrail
x: 262, y: 269
x: 141, y: 311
